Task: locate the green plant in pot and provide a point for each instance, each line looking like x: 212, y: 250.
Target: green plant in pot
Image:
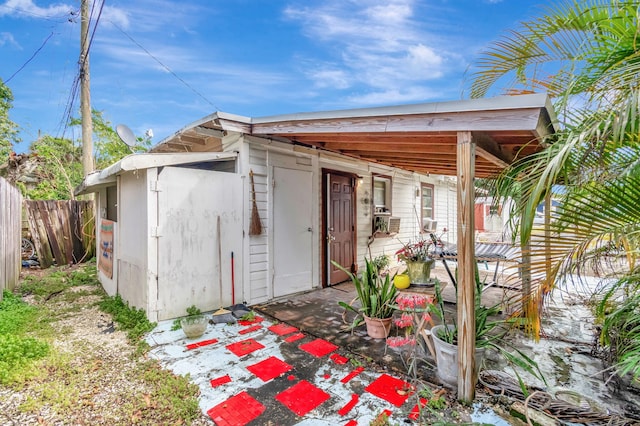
x: 194, y: 324
x: 376, y: 296
x: 489, y: 333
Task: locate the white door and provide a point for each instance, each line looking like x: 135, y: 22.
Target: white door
x: 292, y: 231
x: 194, y: 253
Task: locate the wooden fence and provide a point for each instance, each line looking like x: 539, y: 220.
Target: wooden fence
x: 10, y: 235
x: 62, y: 231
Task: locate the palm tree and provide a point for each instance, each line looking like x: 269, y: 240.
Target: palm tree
x: 586, y: 55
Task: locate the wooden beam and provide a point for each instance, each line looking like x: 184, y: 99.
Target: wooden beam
x: 392, y: 147
x: 466, y: 269
x: 489, y: 149
x: 482, y: 120
x: 192, y: 139
x: 206, y: 131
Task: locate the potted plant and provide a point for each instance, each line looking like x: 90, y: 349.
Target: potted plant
x: 193, y: 325
x: 376, y: 296
x: 417, y: 257
x: 489, y: 333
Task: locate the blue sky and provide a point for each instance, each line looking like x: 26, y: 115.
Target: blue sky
x: 158, y: 64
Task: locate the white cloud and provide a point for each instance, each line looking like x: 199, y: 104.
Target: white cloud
x: 395, y: 96
x: 334, y: 78
x: 27, y: 9
x: 7, y: 38
x: 115, y: 15
x: 375, y: 43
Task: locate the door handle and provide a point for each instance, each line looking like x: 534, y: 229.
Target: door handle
x: 309, y: 229
x: 330, y: 237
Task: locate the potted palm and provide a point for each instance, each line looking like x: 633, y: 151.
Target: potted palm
x: 376, y: 296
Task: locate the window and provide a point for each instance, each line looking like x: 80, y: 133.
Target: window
x: 426, y: 207
x: 381, y: 194
x: 112, y: 203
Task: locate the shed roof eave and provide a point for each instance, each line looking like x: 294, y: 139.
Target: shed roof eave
x: 96, y: 180
x: 211, y: 118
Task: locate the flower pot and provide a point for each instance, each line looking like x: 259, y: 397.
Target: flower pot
x: 447, y: 357
x: 378, y: 328
x: 419, y: 271
x: 194, y: 326
x: 402, y: 281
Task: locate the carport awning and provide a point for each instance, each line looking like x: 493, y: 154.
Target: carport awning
x: 420, y: 137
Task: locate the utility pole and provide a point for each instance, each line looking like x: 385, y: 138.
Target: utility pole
x: 85, y: 97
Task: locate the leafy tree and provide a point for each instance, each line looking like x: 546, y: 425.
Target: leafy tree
x: 8, y: 129
x: 586, y: 56
x: 107, y: 145
x: 59, y: 169
x: 59, y: 160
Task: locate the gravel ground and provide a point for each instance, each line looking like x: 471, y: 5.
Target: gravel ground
x: 93, y: 378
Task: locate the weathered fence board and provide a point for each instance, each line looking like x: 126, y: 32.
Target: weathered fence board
x: 62, y: 230
x: 10, y: 235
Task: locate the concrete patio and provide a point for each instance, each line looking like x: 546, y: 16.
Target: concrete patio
x: 294, y: 364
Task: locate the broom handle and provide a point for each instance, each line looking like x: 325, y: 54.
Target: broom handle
x: 253, y: 189
x: 219, y: 262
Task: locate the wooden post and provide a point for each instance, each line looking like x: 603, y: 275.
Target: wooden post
x: 466, y: 269
x: 85, y: 97
x: 525, y: 273
x: 547, y: 235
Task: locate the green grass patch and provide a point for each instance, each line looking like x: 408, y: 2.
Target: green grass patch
x: 18, y: 351
x: 133, y: 321
x: 174, y: 397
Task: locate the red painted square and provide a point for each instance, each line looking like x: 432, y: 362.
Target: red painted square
x: 282, y: 329
x: 250, y: 329
x: 201, y: 344
x: 415, y: 412
x: 270, y: 368
x: 339, y: 359
x: 302, y: 397
x: 244, y: 347
x: 318, y: 347
x: 220, y: 381
x: 353, y: 374
x: 249, y: 322
x: 390, y: 389
x: 294, y: 337
x: 349, y: 405
x: 236, y: 411
x: 351, y: 423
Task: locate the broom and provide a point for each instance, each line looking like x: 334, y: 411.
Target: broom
x: 255, y: 227
x: 221, y: 315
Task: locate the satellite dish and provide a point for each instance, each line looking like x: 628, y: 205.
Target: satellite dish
x: 126, y: 135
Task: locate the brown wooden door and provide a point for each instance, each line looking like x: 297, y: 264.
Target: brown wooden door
x: 340, y: 229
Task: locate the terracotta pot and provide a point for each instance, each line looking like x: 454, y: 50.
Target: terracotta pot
x: 378, y: 328
x: 402, y: 281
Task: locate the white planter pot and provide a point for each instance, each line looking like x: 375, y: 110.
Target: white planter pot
x: 447, y: 358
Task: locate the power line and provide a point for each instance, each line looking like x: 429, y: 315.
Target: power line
x: 166, y: 67
x: 73, y: 94
x: 31, y: 58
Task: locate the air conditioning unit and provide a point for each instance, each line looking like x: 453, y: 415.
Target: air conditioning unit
x: 429, y: 225
x: 387, y: 224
